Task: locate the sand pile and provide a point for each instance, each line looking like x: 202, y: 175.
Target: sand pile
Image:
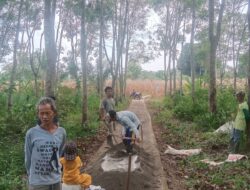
x: 141, y: 178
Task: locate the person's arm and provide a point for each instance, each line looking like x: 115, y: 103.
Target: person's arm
x: 123, y: 131
x: 61, y: 148
x: 246, y: 114
x: 101, y: 113
x: 102, y: 110
x: 27, y: 152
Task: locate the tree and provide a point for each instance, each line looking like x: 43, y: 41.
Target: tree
x: 192, y: 50
x: 84, y: 64
x: 134, y: 70
x: 50, y: 46
x: 248, y: 74
x: 213, y: 39
x: 100, y: 66
x: 13, y: 70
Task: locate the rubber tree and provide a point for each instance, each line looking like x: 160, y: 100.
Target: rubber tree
x: 83, y: 47
x: 14, y: 65
x: 248, y: 73
x: 214, y: 38
x: 50, y: 46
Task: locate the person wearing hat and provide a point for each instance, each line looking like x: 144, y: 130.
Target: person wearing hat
x: 72, y: 166
x: 240, y: 123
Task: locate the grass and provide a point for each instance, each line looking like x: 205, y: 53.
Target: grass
x: 13, y: 129
x: 183, y: 134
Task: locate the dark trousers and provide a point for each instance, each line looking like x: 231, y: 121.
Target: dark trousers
x: 235, y: 141
x: 127, y: 142
x: 56, y: 186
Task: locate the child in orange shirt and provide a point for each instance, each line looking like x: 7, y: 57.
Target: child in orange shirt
x: 71, y: 167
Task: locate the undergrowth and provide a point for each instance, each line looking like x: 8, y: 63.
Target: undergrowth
x: 187, y: 124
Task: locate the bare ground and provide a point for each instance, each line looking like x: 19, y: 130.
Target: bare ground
x: 150, y: 176
x: 175, y: 175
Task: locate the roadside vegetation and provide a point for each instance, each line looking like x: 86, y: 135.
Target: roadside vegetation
x: 23, y: 116
x: 187, y: 124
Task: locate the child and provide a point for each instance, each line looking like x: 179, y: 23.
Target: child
x: 71, y: 167
x: 240, y: 123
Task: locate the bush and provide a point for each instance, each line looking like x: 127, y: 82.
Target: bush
x: 186, y: 109
x: 197, y: 111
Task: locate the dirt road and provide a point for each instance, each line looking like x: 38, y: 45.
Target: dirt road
x: 149, y: 175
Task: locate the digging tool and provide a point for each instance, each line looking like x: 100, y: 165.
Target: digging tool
x: 129, y: 171
x: 110, y: 135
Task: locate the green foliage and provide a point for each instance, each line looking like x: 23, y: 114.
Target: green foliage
x: 12, y: 163
x: 243, y: 65
x: 186, y: 135
x: 158, y: 75
x: 134, y: 70
x: 23, y: 116
x: 200, y: 59
x: 187, y: 109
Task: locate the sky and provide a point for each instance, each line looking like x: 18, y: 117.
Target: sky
x: 153, y: 65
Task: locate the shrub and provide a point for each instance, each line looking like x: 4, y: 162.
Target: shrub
x: 197, y: 111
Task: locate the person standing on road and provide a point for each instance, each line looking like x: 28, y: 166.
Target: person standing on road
x: 107, y: 104
x: 43, y: 148
x: 240, y: 123
x: 131, y: 125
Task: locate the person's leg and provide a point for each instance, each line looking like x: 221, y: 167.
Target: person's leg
x: 110, y: 132
x: 85, y: 180
x: 231, y: 142
x: 39, y: 187
x: 113, y: 124
x: 235, y: 141
x: 238, y: 137
x: 127, y: 142
x: 57, y: 186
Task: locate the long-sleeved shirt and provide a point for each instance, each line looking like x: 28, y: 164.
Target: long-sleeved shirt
x: 240, y: 120
x: 42, y: 152
x: 128, y: 120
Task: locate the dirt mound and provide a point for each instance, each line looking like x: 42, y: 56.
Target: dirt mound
x: 141, y: 178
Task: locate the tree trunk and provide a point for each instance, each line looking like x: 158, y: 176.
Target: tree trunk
x: 234, y: 61
x: 169, y: 72
x: 248, y: 74
x: 174, y: 69
x: 13, y: 70
x: 192, y: 51
x: 31, y: 59
x: 50, y: 46
x: 165, y: 72
x: 213, y: 39
x: 100, y: 67
x: 84, y: 65
x: 120, y: 39
x: 59, y: 55
x: 126, y: 60
x: 115, y: 42
x: 182, y: 43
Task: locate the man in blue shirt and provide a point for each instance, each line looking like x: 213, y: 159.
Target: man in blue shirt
x: 131, y: 125
x: 43, y: 147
